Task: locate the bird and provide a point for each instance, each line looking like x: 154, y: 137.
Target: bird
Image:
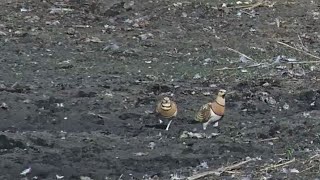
x: 212, y: 112
x: 167, y: 108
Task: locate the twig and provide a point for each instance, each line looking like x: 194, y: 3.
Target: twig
x: 233, y: 172
x: 230, y: 49
x: 240, y: 67
x: 311, y: 158
x: 218, y: 171
x: 278, y: 165
x: 302, y: 45
x: 287, y: 45
x: 269, y: 139
x: 307, y: 169
x: 254, y: 5
x: 98, y: 115
x: 303, y: 62
x: 316, y: 155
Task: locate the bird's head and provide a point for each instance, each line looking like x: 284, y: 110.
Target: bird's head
x: 222, y: 93
x: 166, y: 103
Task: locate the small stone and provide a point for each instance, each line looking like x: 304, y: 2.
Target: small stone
x: 128, y: 5
x: 294, y: 170
x: 266, y: 84
x: 111, y: 47
x: 85, y: 178
x: 71, y: 31
x: 243, y: 59
x: 146, y: 36
x: 4, y: 106
x: 152, y: 145
x: 212, y: 85
x: 184, y: 15
x: 197, y: 76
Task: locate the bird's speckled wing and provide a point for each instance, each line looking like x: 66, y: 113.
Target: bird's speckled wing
x: 203, y: 115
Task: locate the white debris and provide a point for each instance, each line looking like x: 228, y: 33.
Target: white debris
x: 140, y: 154
x: 294, y: 170
x: 152, y: 145
x: 186, y: 134
x: 26, y: 171
x: 128, y: 5
x: 60, y: 105
x: 146, y: 36
x: 197, y: 76
x: 184, y: 15
x: 212, y: 85
x: 85, y: 178
x: 243, y: 59
x: 203, y: 165
x: 93, y: 39
x: 59, y: 177
x: 206, y: 93
x: 24, y: 10
x: 4, y: 105
x: 59, y: 10
x: 306, y: 114
x: 111, y: 46
x: 266, y: 84
x: 177, y: 4
x: 286, y: 106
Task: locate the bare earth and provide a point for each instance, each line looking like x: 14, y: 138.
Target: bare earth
x: 79, y: 80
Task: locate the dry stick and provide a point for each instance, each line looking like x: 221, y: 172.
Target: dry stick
x: 230, y: 49
x: 98, y: 115
x: 227, y: 68
x: 307, y: 169
x: 287, y: 45
x: 270, y: 139
x: 316, y: 155
x: 249, y: 6
x: 278, y: 165
x: 302, y: 42
x: 312, y: 157
x: 304, y: 62
x: 218, y: 171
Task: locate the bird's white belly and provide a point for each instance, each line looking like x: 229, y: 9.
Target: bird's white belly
x: 214, y: 116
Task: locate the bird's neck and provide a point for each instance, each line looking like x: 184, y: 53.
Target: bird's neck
x: 220, y: 100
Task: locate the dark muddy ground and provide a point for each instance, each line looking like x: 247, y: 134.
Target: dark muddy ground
x: 79, y: 80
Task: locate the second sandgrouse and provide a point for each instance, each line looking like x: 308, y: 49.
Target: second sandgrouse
x: 212, y: 112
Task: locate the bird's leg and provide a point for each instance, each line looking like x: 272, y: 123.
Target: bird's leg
x: 168, y: 125
x: 205, y: 125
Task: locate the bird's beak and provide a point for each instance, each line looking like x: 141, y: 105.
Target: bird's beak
x: 223, y: 95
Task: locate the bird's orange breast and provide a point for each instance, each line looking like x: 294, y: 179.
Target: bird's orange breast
x: 217, y: 108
